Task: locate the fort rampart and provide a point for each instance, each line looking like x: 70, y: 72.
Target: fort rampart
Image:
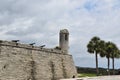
x: 26, y: 62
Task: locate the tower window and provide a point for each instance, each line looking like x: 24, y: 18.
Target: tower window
x: 66, y: 37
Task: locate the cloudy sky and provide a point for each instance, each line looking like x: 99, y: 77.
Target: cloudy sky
x: 40, y: 21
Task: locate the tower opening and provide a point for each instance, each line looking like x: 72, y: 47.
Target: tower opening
x: 66, y: 37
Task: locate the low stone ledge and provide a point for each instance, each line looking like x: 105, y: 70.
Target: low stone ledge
x: 73, y: 79
x: 111, y: 77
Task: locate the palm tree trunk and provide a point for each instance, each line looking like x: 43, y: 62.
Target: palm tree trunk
x: 97, y: 71
x: 113, y: 65
x: 108, y: 66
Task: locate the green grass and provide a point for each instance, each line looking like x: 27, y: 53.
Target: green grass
x: 86, y: 75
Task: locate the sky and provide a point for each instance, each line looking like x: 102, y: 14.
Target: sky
x: 40, y: 21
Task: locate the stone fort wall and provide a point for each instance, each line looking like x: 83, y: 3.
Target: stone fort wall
x: 26, y: 62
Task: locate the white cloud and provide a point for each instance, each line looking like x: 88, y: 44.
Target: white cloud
x: 38, y: 20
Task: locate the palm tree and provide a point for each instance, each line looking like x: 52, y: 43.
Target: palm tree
x: 108, y: 49
x: 115, y: 54
x: 93, y: 47
x: 111, y: 52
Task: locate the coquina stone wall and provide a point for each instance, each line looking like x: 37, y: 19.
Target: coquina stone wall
x: 26, y: 62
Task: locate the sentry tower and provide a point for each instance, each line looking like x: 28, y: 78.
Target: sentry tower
x: 64, y: 40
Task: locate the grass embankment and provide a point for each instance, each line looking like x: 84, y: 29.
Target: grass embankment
x: 91, y: 72
x: 86, y: 75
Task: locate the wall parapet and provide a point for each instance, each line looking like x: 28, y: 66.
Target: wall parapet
x: 31, y: 47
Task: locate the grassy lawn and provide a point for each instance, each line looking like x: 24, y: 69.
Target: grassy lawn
x: 86, y: 75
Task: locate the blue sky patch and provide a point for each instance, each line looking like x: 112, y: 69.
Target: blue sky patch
x: 90, y: 5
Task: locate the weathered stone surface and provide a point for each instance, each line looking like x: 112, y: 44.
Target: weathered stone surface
x: 25, y: 62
